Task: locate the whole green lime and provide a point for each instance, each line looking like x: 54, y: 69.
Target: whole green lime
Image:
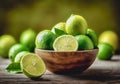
x: 15, y: 49
x: 27, y: 38
x: 105, y: 51
x: 93, y: 36
x: 109, y: 37
x: 84, y: 42
x: 6, y: 41
x: 59, y: 29
x: 45, y: 39
x: 76, y: 25
x: 60, y: 25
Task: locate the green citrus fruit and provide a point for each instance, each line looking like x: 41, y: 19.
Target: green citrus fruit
x: 19, y: 56
x: 60, y: 25
x: 27, y: 38
x: 93, y: 36
x: 84, y: 42
x: 76, y: 24
x: 65, y: 43
x: 15, y: 49
x: 32, y: 65
x: 6, y: 41
x: 59, y: 32
x: 105, y: 51
x: 44, y: 40
x: 109, y: 37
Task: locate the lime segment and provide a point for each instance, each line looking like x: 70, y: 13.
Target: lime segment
x: 65, y: 43
x: 32, y: 65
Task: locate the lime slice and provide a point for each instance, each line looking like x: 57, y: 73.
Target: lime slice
x: 32, y: 65
x: 65, y: 43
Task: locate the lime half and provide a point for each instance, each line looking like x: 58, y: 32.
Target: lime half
x: 32, y: 65
x: 65, y: 43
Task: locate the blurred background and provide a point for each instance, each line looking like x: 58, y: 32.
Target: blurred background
x: 18, y: 15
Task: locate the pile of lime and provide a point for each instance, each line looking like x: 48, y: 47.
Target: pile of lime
x: 74, y: 35
x: 71, y: 35
x: 108, y: 44
x: 21, y: 54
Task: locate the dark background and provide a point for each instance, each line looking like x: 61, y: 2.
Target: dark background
x: 18, y: 15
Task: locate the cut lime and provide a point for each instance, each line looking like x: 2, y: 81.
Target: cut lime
x: 65, y: 43
x: 32, y: 65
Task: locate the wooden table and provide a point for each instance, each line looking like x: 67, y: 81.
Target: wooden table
x: 100, y: 72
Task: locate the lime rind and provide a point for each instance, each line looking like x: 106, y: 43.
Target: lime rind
x: 32, y: 65
x: 65, y: 43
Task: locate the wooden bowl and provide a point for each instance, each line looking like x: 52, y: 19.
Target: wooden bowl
x: 67, y: 62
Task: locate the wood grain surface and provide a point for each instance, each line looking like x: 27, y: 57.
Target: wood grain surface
x: 100, y: 72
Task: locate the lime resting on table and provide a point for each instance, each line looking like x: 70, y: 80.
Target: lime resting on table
x: 109, y: 37
x: 6, y: 42
x: 105, y: 51
x: 15, y: 49
x: 32, y: 65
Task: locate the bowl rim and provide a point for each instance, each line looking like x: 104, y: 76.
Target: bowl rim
x: 37, y: 49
